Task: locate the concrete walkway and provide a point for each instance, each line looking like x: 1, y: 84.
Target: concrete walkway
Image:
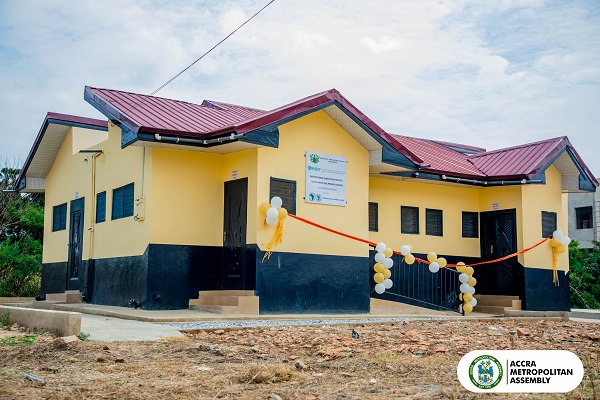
x: 109, y: 323
x: 108, y: 329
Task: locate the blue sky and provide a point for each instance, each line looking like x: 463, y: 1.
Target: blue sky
x: 489, y: 74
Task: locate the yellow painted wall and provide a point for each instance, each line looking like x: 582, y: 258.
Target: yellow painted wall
x: 187, y: 196
x: 71, y: 173
x: 316, y: 132
x: 392, y: 194
x: 538, y: 198
x: 115, y: 168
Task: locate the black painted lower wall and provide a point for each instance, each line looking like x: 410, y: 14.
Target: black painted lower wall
x: 542, y: 295
x: 312, y: 283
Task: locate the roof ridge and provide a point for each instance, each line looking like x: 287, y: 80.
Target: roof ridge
x: 220, y: 104
x: 555, y: 139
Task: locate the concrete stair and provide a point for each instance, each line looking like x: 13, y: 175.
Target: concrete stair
x: 68, y: 297
x: 227, y: 302
x: 494, y: 304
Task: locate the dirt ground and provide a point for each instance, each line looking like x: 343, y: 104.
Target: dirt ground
x: 415, y: 360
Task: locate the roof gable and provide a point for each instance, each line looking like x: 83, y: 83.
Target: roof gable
x: 47, y: 145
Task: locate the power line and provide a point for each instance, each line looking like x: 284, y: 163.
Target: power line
x: 211, y: 49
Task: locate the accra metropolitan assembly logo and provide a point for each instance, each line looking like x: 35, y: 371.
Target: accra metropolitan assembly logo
x: 485, y: 372
x: 314, y: 158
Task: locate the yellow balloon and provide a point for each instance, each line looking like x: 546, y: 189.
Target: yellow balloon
x: 442, y: 262
x: 460, y: 267
x: 386, y: 273
x: 264, y: 207
x: 468, y: 308
x: 282, y: 213
x: 378, y: 277
x: 388, y: 252
x: 469, y: 271
x: 410, y: 247
x: 560, y: 248
x: 378, y: 267
x: 432, y: 256
x: 472, y: 281
x: 409, y: 259
x: 460, y: 297
x: 467, y: 297
x: 554, y: 242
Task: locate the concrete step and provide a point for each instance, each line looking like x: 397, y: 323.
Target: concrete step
x: 227, y: 302
x: 489, y: 309
x: 46, y: 304
x: 69, y: 297
x: 217, y: 309
x: 226, y: 293
x: 495, y: 296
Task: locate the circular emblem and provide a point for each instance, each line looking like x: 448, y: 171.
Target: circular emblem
x: 485, y: 372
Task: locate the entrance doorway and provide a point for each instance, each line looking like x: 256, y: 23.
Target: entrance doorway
x: 498, y: 239
x: 233, y: 268
x: 75, y: 244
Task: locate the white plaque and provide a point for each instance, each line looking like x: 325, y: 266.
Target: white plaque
x: 325, y: 179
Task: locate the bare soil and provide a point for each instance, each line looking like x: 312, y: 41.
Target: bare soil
x: 413, y: 360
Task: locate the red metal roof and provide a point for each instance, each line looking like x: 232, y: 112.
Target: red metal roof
x: 167, y: 116
x: 440, y: 157
x: 77, y: 120
x: 522, y: 161
x: 211, y: 118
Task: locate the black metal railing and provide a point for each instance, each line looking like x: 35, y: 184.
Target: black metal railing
x: 416, y: 285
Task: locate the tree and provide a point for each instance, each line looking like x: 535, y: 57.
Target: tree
x: 21, y: 235
x: 585, y: 276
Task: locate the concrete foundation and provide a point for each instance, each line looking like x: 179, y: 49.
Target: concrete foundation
x: 61, y: 322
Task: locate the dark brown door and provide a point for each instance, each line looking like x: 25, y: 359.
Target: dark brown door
x: 499, y: 238
x: 233, y: 269
x: 75, y: 244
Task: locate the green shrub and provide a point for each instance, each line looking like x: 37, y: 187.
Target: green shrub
x: 585, y: 276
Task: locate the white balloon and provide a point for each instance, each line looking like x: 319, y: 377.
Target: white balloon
x: 472, y: 289
x: 565, y: 240
x: 380, y: 288
x: 463, y: 278
x: 473, y: 302
x: 434, y: 267
x: 379, y: 257
x: 380, y: 248
x: 557, y: 234
x: 464, y: 288
x: 276, y: 202
x: 272, y: 213
x: 388, y: 263
x: 272, y: 220
x: 404, y: 250
x: 388, y: 283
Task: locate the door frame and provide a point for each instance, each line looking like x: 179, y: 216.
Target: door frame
x: 238, y: 281
x: 489, y: 273
x: 72, y: 282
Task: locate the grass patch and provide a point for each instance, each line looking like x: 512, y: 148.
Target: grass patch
x: 19, y: 340
x: 4, y: 319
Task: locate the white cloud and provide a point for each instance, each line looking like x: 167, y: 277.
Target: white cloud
x: 491, y: 74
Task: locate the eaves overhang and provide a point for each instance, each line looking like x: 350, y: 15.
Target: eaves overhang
x: 50, y: 138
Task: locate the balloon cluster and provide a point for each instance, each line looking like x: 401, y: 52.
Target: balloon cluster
x: 559, y: 241
x: 435, y: 262
x: 467, y: 286
x: 406, y: 251
x: 383, y: 263
x: 273, y: 211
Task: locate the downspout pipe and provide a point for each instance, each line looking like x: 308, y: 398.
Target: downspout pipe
x: 197, y: 142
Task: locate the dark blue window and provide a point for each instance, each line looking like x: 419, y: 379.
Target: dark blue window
x: 122, y: 202
x: 59, y: 218
x: 101, y: 207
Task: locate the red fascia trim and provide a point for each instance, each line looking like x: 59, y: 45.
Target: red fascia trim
x: 76, y: 119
